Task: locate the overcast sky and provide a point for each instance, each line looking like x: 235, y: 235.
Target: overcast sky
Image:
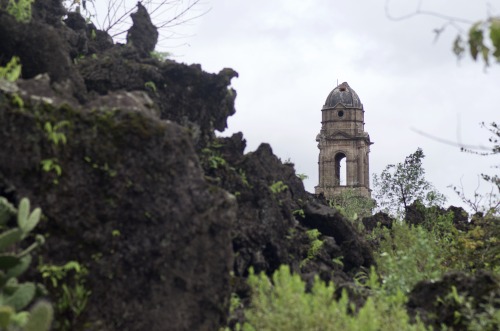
x: 290, y: 54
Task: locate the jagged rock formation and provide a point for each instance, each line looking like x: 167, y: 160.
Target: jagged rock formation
x: 143, y: 35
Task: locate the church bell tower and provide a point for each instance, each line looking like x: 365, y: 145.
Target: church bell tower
x: 343, y: 138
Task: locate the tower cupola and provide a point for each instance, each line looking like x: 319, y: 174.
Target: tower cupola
x: 343, y: 141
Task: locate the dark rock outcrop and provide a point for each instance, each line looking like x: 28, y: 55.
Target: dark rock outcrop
x: 380, y: 218
x: 185, y: 94
x: 41, y: 49
x: 143, y: 35
x: 456, y: 300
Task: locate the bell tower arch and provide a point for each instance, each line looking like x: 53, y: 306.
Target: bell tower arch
x: 342, y: 137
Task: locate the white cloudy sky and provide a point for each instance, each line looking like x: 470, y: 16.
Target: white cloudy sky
x: 290, y: 53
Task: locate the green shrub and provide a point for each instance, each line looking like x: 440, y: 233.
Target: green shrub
x: 283, y: 304
x: 407, y: 255
x: 354, y: 205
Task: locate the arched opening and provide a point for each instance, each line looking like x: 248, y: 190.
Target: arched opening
x: 340, y: 169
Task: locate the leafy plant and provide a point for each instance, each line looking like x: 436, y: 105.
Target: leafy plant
x: 160, y: 56
x: 212, y: 157
x: 15, y: 296
x: 314, y: 248
x: 299, y: 212
x: 478, y: 38
x: 68, y: 284
x: 278, y: 187
x: 243, y: 177
x: 53, y: 132
x: 12, y: 70
x: 20, y: 9
x: 150, y: 85
x: 302, y: 177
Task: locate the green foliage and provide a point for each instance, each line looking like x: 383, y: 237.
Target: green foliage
x: 211, y: 156
x: 20, y: 9
x: 160, y: 56
x: 353, y: 204
x: 302, y: 177
x: 53, y: 132
x: 15, y: 296
x: 299, y: 212
x: 68, y: 284
x: 278, y: 187
x: 478, y: 41
x: 243, y: 177
x: 55, y: 136
x: 315, y: 246
x: 316, y: 243
x: 16, y: 100
x: 283, y: 304
x: 479, y: 248
x: 52, y: 164
x: 406, y: 256
x: 41, y: 316
x: 12, y: 70
x: 150, y: 85
x: 400, y: 184
x: 468, y: 315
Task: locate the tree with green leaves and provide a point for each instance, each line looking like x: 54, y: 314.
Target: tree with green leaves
x: 481, y: 38
x: 399, y: 185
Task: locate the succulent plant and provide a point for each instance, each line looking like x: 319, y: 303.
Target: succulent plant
x: 15, y: 296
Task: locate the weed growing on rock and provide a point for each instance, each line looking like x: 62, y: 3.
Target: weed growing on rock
x: 20, y: 9
x: 68, y: 284
x: 12, y: 70
x: 52, y: 164
x: 278, y: 187
x: 315, y: 247
x: 302, y: 177
x: 150, y: 85
x: 53, y: 133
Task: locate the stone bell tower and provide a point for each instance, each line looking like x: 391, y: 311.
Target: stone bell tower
x: 342, y: 136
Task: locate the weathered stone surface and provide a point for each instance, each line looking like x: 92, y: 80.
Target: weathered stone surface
x: 131, y: 205
x: 185, y: 94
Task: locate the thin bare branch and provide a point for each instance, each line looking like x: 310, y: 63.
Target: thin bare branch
x: 418, y: 11
x: 454, y: 143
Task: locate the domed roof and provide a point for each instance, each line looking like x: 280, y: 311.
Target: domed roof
x: 345, y: 95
